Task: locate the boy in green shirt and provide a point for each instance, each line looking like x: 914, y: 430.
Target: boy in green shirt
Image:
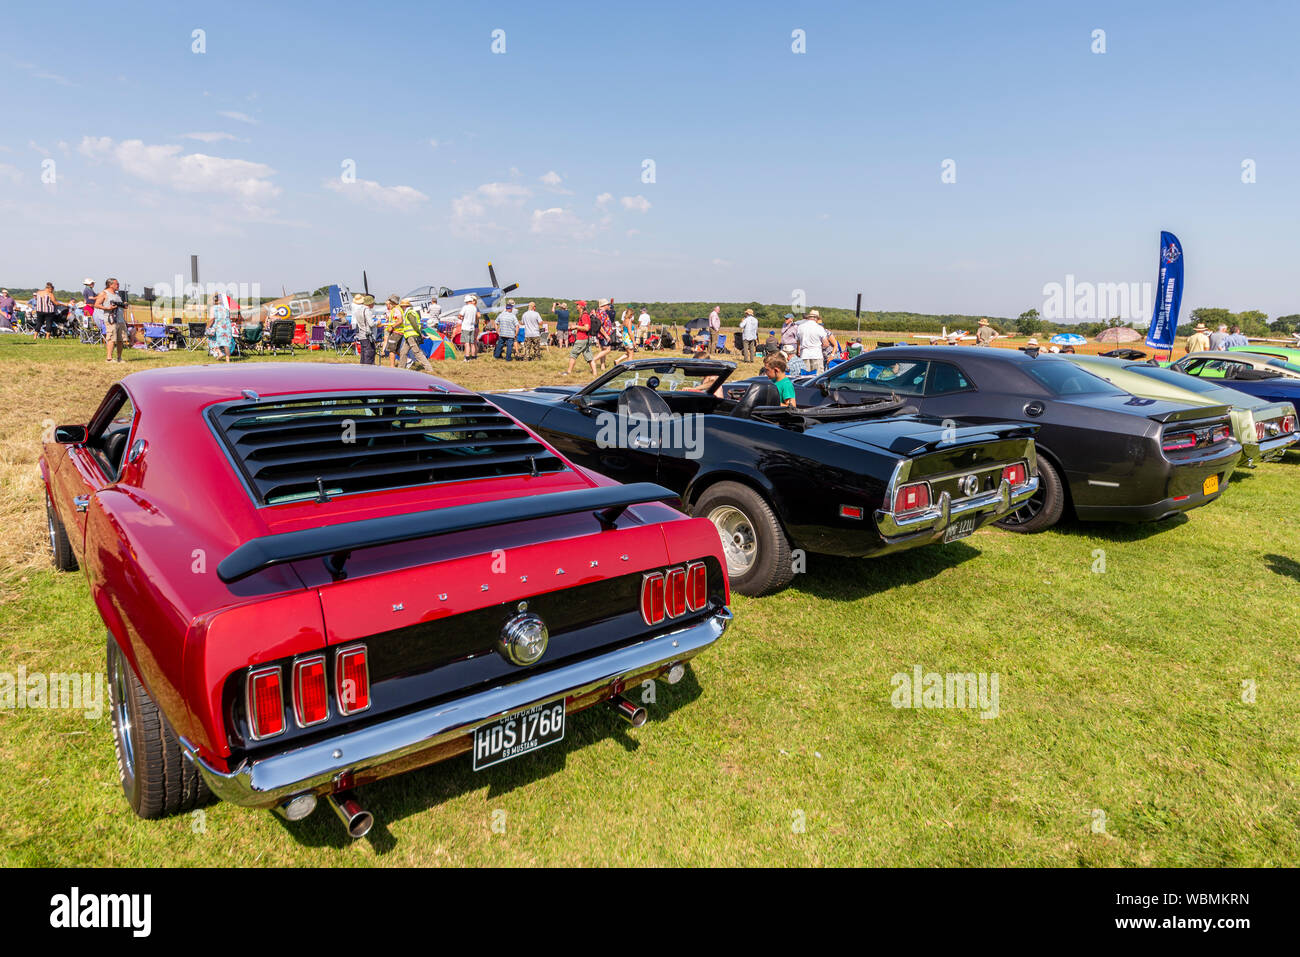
x: 774, y: 368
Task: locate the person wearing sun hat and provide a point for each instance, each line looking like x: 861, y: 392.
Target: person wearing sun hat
x: 1198, y: 341
x: 748, y: 335
x: 984, y: 335
x: 6, y: 311
x: 363, y: 321
x: 469, y: 327
x: 392, y: 329
x: 1031, y: 347
x: 412, y: 331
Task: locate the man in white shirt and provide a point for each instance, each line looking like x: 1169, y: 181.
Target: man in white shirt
x: 715, y: 326
x: 748, y: 335
x: 363, y: 322
x: 469, y: 327
x: 811, y: 339
x: 642, y: 327
x: 532, y: 321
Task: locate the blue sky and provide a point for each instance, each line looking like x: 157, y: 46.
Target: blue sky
x: 774, y: 171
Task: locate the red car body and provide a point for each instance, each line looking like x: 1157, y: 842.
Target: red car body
x: 205, y: 570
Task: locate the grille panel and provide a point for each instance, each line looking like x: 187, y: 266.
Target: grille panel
x: 287, y: 449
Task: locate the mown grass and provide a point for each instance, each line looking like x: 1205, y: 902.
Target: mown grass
x: 1122, y: 736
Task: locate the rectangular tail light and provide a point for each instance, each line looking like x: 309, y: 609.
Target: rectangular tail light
x: 352, y: 679
x: 675, y: 592
x: 310, y: 691
x: 652, y: 598
x: 265, y: 700
x: 1017, y: 474
x: 1177, y: 441
x: 1288, y: 424
x: 912, y: 498
x: 697, y: 586
x: 1261, y: 431
x: 1221, y: 433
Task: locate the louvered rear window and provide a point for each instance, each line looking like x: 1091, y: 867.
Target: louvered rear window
x: 292, y: 449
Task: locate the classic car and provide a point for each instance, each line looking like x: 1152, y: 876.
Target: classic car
x: 317, y: 576
x: 1265, y: 429
x: 861, y: 480
x: 1271, y: 350
x: 1108, y: 455
x: 1253, y: 375
x: 1229, y: 364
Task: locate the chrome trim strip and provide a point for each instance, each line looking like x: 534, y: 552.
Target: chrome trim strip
x: 1281, y: 442
x: 940, y: 516
x: 266, y: 781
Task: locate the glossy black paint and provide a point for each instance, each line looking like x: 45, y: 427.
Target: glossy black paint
x: 806, y: 473
x: 1106, y: 445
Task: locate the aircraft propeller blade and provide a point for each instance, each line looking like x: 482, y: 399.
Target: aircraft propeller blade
x: 509, y: 289
x: 492, y: 274
x: 365, y: 281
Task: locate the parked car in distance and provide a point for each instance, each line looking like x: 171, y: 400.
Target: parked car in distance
x: 1271, y: 350
x: 317, y: 576
x: 1230, y: 364
x: 1254, y: 375
x: 859, y: 480
x: 1103, y: 453
x: 1265, y: 429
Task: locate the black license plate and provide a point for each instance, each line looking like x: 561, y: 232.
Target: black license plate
x: 959, y: 529
x: 518, y: 734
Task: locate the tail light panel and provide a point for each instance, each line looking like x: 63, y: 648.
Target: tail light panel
x: 1015, y: 475
x: 672, y: 593
x: 914, y: 497
x: 265, y: 700
x: 1177, y: 441
x: 352, y: 679
x: 1221, y: 433
x: 310, y: 691
x: 1288, y: 424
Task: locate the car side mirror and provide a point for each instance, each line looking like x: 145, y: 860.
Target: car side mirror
x: 824, y: 386
x: 70, y: 434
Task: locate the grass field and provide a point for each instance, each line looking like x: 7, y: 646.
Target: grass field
x: 1126, y: 732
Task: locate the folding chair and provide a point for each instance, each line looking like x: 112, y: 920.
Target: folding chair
x: 281, y: 336
x: 316, y: 337
x: 249, y: 339
x: 345, y: 338
x: 155, y: 335
x: 196, y: 336
x: 93, y: 331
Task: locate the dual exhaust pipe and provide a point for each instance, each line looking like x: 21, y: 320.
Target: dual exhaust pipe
x: 358, y: 821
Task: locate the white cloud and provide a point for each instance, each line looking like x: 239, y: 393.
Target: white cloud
x: 433, y: 144
x: 10, y: 173
x: 166, y: 165
x: 385, y: 197
x: 237, y: 116
x: 208, y: 137
x: 637, y: 203
x: 471, y: 212
x: 604, y: 199
x: 552, y: 178
x: 721, y: 262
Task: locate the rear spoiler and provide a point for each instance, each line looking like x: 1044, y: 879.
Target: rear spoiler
x: 1192, y: 414
x: 335, y: 543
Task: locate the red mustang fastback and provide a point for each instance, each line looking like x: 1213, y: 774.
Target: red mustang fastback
x: 316, y: 576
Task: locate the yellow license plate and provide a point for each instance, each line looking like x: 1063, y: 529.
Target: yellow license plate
x: 1211, y: 485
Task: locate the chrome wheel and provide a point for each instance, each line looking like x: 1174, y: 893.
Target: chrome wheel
x: 123, y: 732
x: 739, y: 543
x: 1028, y: 511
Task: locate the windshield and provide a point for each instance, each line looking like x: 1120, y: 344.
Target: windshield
x: 1283, y: 364
x: 903, y: 376
x: 1064, y: 378
x: 661, y: 378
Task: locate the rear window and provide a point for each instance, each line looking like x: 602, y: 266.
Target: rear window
x: 293, y: 449
x: 1180, y: 379
x: 1062, y: 377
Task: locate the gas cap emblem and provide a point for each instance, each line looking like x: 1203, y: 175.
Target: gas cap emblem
x: 523, y: 639
x: 970, y: 484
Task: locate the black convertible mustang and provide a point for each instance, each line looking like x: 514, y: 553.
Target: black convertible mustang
x: 1109, y: 454
x: 864, y: 479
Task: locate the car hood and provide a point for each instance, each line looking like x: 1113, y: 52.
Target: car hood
x: 1158, y: 410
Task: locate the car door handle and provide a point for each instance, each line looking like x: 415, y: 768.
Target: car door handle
x: 81, y: 502
x: 641, y: 442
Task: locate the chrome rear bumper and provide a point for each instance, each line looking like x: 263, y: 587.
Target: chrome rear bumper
x: 934, y: 520
x: 363, y: 754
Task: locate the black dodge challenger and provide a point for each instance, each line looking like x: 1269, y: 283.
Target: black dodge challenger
x: 1109, y: 455
x: 862, y: 479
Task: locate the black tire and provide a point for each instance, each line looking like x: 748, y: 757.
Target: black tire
x: 748, y: 529
x: 60, y: 547
x: 157, y: 777
x: 1043, y: 510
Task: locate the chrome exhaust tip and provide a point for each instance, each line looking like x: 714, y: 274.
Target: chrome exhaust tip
x: 355, y: 818
x: 675, y: 673
x: 629, y: 711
